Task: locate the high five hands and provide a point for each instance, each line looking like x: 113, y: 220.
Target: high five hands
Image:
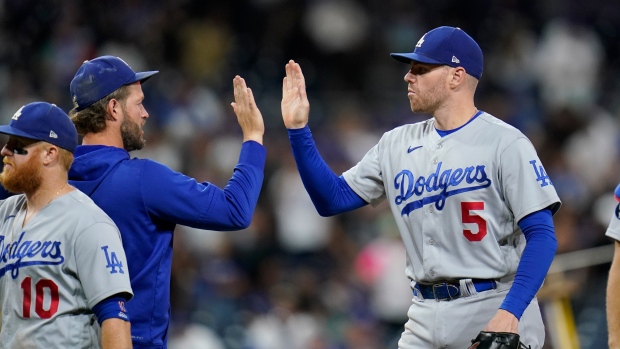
x: 248, y: 115
x: 295, y: 105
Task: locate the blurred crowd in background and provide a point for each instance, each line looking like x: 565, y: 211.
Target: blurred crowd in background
x: 293, y: 279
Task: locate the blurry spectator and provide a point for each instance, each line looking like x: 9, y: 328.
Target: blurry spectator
x: 336, y: 26
x: 380, y: 265
x: 300, y: 228
x: 589, y: 149
x: 285, y: 327
x: 568, y: 62
x: 195, y: 336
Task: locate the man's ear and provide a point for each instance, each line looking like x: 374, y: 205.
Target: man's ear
x: 114, y: 109
x: 459, y: 75
x: 50, y: 154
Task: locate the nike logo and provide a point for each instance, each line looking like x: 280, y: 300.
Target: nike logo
x: 412, y: 149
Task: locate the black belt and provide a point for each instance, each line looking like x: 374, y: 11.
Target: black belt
x: 447, y: 291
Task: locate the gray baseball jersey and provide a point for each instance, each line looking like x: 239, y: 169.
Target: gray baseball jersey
x: 65, y: 260
x: 457, y: 199
x: 613, y: 231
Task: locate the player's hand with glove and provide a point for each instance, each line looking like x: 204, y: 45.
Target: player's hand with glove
x: 500, y: 333
x: 248, y: 115
x: 497, y: 340
x: 295, y: 105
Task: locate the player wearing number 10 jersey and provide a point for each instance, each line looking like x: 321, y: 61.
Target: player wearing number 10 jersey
x: 63, y: 273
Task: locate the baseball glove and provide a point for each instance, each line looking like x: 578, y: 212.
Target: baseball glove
x: 497, y: 340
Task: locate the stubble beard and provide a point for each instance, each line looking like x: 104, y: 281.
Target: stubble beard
x: 24, y: 179
x: 131, y: 134
x: 429, y: 101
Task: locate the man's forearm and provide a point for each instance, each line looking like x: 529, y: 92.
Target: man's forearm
x: 613, y: 300
x: 116, y: 334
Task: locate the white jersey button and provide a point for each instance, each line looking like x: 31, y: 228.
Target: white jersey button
x: 434, y: 161
x: 431, y: 273
x: 439, y: 146
x: 430, y: 209
x: 431, y: 242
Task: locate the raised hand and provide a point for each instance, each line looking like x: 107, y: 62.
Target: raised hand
x: 248, y: 115
x: 295, y: 105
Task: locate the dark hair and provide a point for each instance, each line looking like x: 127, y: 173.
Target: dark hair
x: 92, y: 118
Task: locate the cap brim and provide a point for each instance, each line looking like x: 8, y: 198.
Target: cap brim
x: 143, y: 76
x: 408, y: 57
x: 12, y: 131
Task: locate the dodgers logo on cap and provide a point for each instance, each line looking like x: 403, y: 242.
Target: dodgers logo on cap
x: 17, y: 114
x: 45, y: 122
x: 448, y: 46
x: 421, y: 41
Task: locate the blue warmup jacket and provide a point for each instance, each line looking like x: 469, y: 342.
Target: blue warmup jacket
x: 146, y: 200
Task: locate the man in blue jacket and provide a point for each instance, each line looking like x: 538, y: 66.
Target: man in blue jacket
x: 147, y: 199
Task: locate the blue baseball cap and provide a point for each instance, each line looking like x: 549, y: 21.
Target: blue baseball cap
x: 449, y: 46
x: 101, y: 76
x: 43, y: 121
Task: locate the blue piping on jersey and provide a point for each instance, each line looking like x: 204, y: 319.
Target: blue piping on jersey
x: 443, y: 133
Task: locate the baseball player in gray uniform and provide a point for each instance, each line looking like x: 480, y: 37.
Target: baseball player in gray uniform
x: 63, y: 272
x: 613, y: 283
x: 471, y: 198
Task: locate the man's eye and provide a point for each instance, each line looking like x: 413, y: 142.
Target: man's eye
x: 20, y: 151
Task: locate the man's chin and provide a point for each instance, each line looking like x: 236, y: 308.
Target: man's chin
x: 6, y: 183
x: 4, y: 176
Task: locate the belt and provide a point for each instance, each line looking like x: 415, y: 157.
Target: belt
x: 447, y: 291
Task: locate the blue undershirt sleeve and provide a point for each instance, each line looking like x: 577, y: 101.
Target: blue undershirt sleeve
x: 111, y: 307
x: 330, y: 194
x: 537, y: 257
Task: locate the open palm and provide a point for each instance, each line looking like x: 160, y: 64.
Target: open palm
x: 295, y: 105
x: 248, y: 115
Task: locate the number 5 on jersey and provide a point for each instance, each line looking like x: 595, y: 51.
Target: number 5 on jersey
x: 469, y: 217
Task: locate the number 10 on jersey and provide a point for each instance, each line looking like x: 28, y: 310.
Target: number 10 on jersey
x: 40, y: 292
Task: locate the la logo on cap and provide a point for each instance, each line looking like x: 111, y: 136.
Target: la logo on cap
x: 421, y: 41
x: 18, y: 113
